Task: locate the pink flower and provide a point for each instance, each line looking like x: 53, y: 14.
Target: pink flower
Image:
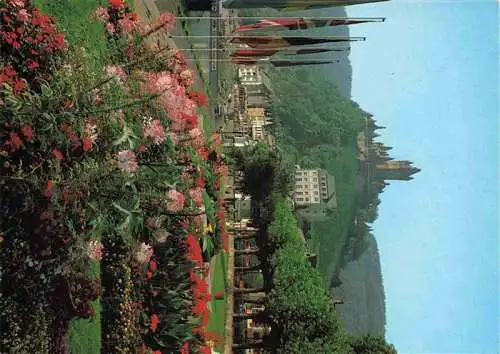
x: 94, y: 250
x: 167, y: 19
x: 187, y: 77
x: 110, y: 28
x: 160, y: 82
x: 176, y: 200
x: 102, y: 14
x: 116, y: 72
x: 17, y: 3
x: 23, y: 15
x: 126, y: 25
x: 189, y: 107
x: 154, y: 130
x: 127, y: 161
x: 91, y: 130
x: 197, y: 195
x: 174, y: 137
x: 221, y: 170
x: 198, y: 138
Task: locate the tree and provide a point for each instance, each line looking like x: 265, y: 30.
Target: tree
x: 370, y: 344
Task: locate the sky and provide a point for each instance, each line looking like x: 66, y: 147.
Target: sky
x: 429, y: 74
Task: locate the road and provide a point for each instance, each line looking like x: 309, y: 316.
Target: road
x: 217, y: 120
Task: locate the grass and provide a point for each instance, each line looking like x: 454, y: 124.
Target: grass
x: 73, y: 17
x: 218, y: 317
x: 331, y: 235
x: 85, y: 334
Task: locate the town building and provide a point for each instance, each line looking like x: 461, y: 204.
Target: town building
x: 311, y: 187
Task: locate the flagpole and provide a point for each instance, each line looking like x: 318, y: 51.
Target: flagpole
x: 273, y: 37
x: 251, y: 60
x: 376, y: 19
x: 292, y: 48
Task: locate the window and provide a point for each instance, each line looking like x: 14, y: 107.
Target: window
x: 315, y: 179
x: 307, y: 199
x: 316, y: 193
x: 316, y: 199
x: 307, y: 192
x: 300, y: 199
x: 316, y: 186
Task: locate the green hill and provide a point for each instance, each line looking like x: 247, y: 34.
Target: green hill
x: 364, y: 308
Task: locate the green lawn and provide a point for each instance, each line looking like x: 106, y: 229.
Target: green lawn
x: 73, y: 17
x: 218, y: 317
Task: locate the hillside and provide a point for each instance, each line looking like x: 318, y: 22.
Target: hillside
x: 364, y: 308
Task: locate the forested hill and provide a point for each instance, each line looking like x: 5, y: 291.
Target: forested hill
x: 364, y: 308
x: 317, y: 127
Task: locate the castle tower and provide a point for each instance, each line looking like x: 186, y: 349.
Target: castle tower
x: 395, y: 170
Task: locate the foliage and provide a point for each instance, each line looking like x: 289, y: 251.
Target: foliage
x: 370, y: 344
x: 114, y: 154
x: 361, y: 280
x: 264, y: 171
x: 31, y: 47
x: 299, y: 293
x: 318, y: 129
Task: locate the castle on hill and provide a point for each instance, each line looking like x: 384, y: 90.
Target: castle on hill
x: 375, y: 165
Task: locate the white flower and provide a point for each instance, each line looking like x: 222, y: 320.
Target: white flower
x: 161, y: 235
x: 144, y: 253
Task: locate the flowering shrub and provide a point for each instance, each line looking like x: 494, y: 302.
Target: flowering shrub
x: 117, y: 156
x: 30, y: 45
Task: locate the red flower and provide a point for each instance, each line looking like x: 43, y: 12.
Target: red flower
x: 185, y: 348
x: 59, y: 42
x: 49, y: 190
x: 57, y: 155
x: 194, y: 250
x: 31, y: 64
x: 200, y: 182
x: 28, y: 132
x: 14, y: 141
x: 219, y: 295
x: 87, y: 144
x: 149, y: 274
x: 204, y: 152
x: 205, y: 350
x: 154, y: 322
x: 19, y: 85
x: 198, y: 97
x: 156, y: 352
x: 153, y: 265
x: 116, y: 3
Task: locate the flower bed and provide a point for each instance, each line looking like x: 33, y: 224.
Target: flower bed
x: 110, y: 167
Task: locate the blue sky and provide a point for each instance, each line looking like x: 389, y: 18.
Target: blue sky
x: 430, y: 75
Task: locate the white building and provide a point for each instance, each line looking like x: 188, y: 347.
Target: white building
x: 311, y: 187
